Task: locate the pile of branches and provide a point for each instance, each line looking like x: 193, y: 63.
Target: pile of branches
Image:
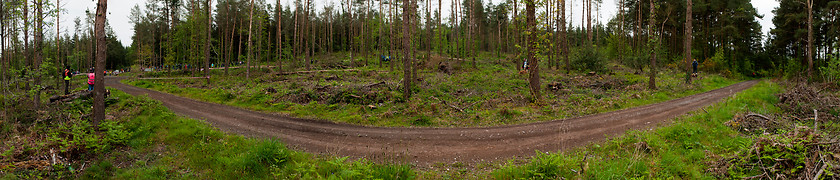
x: 798, y: 154
x: 754, y: 123
x: 802, y: 99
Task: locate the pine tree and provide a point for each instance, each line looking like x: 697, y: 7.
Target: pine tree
x: 99, y: 80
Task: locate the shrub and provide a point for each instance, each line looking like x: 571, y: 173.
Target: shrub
x: 590, y: 59
x: 265, y: 154
x: 831, y: 72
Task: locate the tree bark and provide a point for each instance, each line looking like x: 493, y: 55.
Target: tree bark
x: 59, y: 64
x: 39, y: 57
x: 207, y: 42
x: 250, y: 49
x: 406, y: 45
x: 688, y: 38
x: 651, y: 41
x: 810, y: 50
x: 99, y: 73
x: 279, y: 38
x: 350, y: 29
x: 534, y: 76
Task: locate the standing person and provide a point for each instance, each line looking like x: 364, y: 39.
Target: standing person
x: 90, y: 80
x: 67, y: 75
x: 694, y: 66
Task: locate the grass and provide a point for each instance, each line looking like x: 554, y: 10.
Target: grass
x: 494, y: 94
x: 153, y: 143
x: 679, y: 150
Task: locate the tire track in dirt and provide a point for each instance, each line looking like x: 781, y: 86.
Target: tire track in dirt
x: 425, y: 146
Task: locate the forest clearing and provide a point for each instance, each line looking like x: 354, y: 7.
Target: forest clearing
x: 407, y: 89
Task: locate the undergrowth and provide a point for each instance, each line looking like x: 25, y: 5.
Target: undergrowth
x: 150, y: 142
x: 680, y: 150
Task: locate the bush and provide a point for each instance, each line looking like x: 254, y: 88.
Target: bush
x: 266, y: 154
x: 831, y: 72
x: 590, y: 59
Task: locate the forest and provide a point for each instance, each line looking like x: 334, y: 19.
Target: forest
x: 408, y: 89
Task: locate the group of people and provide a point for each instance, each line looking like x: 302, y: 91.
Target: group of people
x: 67, y: 76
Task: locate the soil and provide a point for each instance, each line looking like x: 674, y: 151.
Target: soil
x: 427, y: 146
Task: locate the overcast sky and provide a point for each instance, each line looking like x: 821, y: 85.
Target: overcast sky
x: 118, y: 11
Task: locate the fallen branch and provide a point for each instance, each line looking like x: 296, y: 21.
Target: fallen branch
x: 452, y: 106
x: 758, y: 115
x: 375, y: 84
x: 822, y: 170
x: 329, y: 70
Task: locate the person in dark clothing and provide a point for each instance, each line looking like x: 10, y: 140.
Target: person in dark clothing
x: 67, y: 74
x: 694, y: 66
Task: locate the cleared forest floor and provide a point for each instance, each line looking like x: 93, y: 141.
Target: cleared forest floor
x: 459, y: 96
x: 425, y: 146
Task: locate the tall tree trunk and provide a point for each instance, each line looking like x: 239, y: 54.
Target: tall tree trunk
x: 406, y: 45
x: 565, y: 37
x: 230, y: 47
x: 430, y: 36
x: 279, y: 39
x: 207, y: 43
x: 471, y: 25
x: 810, y: 50
x: 588, y: 13
x: 688, y: 38
x: 516, y: 35
x: 99, y: 73
x: 534, y: 75
x: 250, y: 43
x: 39, y: 57
x: 26, y: 50
x: 651, y: 41
x: 307, y: 26
x: 350, y: 29
x: 59, y: 64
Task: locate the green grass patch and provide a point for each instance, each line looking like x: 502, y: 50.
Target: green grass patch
x: 679, y: 150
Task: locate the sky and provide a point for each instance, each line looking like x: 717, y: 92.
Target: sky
x: 118, y: 11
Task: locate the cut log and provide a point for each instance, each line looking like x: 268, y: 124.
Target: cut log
x: 76, y: 95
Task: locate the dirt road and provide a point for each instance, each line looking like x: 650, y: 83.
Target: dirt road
x: 424, y: 146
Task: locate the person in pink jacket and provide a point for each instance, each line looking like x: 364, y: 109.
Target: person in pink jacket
x: 90, y: 81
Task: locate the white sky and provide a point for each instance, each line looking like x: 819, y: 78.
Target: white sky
x: 118, y: 11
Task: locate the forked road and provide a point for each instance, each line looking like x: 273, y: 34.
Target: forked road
x: 424, y: 146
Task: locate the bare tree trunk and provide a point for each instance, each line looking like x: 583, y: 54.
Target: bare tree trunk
x: 810, y: 51
x: 207, y: 43
x: 230, y: 48
x: 565, y: 40
x: 621, y: 32
x: 652, y: 81
x: 534, y: 72
x: 688, y: 38
x: 430, y: 35
x: 59, y: 64
x: 516, y: 34
x: 39, y: 40
x: 471, y: 27
x: 279, y: 39
x: 309, y: 40
x: 26, y: 50
x: 250, y: 49
x: 406, y: 45
x: 99, y: 73
x: 3, y: 58
x: 350, y: 29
